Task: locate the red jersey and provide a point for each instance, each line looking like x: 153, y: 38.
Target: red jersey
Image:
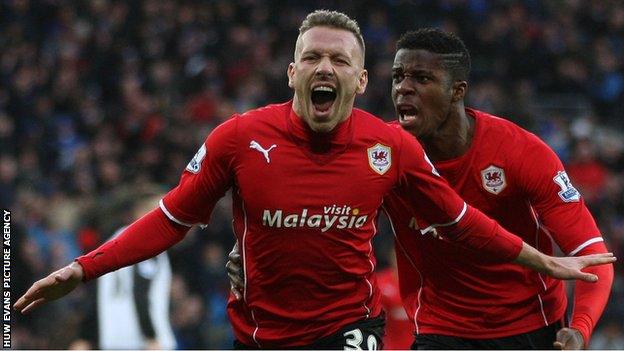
x: 512, y: 176
x: 399, y: 331
x: 304, y: 207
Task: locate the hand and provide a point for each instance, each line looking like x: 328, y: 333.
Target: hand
x: 570, y: 267
x: 235, y: 272
x: 562, y: 267
x: 52, y: 287
x: 569, y: 339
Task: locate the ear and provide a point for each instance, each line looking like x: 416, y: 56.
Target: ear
x: 362, y: 82
x: 460, y: 88
x: 291, y: 73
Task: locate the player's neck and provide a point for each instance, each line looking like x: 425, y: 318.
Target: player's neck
x: 454, y: 137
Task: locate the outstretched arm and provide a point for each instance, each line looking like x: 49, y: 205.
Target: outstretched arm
x: 145, y: 238
x: 479, y: 232
x: 205, y: 180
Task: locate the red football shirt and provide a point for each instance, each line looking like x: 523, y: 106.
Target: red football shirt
x: 512, y: 176
x: 304, y: 210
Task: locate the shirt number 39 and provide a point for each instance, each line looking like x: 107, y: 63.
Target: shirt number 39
x: 354, y: 339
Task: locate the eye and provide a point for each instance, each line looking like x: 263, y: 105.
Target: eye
x: 309, y: 57
x: 423, y: 79
x: 397, y: 77
x: 341, y: 61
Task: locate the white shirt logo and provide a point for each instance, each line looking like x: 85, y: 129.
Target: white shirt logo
x: 568, y: 192
x: 254, y: 145
x: 195, y: 165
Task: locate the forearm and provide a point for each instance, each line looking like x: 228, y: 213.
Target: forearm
x: 478, y: 232
x: 591, y: 299
x: 145, y: 238
x: 532, y: 258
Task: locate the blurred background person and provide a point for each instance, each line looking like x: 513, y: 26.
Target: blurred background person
x: 132, y: 304
x: 140, y: 294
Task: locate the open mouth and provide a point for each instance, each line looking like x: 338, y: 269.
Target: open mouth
x: 323, y: 97
x: 407, y: 114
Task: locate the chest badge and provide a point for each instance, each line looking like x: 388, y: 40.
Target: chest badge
x: 380, y: 158
x: 493, y: 179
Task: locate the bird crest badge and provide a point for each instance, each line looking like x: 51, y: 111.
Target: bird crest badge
x: 380, y: 158
x: 493, y: 179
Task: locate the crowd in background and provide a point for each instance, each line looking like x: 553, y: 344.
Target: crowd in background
x: 101, y: 98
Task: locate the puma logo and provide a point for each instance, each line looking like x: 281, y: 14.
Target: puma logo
x: 254, y: 145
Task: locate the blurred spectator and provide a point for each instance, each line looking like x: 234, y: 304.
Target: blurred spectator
x: 610, y: 338
x: 587, y: 172
x: 140, y: 293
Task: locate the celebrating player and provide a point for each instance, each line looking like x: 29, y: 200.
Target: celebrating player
x: 308, y: 178
x: 456, y: 297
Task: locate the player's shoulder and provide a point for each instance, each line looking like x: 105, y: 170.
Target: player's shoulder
x: 254, y: 121
x: 265, y: 113
x: 520, y: 148
x: 503, y: 132
x: 259, y: 120
x: 497, y: 125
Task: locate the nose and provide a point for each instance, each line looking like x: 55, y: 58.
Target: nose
x: 325, y: 67
x: 404, y: 87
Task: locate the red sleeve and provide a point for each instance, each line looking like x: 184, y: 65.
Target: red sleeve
x: 590, y: 299
x: 561, y: 209
x: 438, y: 207
x: 145, y: 238
x: 477, y: 231
x: 559, y: 206
x: 205, y: 179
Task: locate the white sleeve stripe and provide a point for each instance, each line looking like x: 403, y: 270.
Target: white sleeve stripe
x: 455, y: 221
x: 585, y: 244
x: 161, y: 204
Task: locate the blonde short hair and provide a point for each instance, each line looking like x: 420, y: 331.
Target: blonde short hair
x: 333, y: 19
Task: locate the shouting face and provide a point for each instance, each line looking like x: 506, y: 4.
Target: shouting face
x: 423, y: 91
x: 327, y: 74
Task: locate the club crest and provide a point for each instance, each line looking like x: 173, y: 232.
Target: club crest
x: 380, y: 158
x: 493, y: 179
